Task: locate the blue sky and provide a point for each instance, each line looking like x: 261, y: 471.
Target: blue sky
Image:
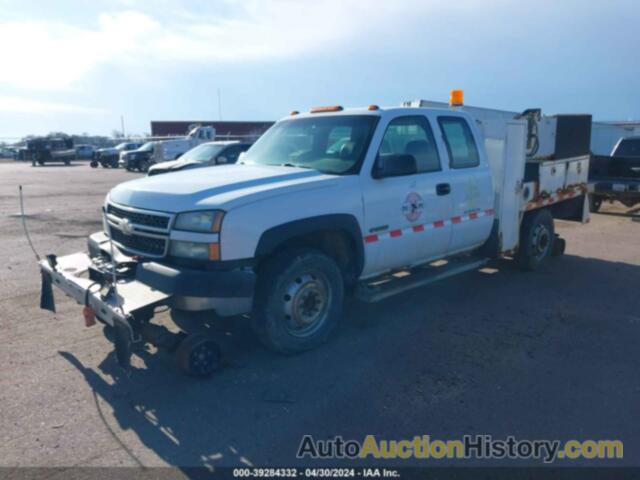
x: 77, y: 66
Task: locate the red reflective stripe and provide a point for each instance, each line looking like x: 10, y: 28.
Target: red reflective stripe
x: 473, y: 215
x: 418, y: 228
x: 395, y: 233
x: 456, y: 219
x: 371, y: 238
x: 438, y: 223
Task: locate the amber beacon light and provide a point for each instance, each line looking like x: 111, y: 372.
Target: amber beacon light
x: 457, y: 98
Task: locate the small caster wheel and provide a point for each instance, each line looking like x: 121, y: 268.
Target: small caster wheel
x: 198, y: 355
x: 559, y: 245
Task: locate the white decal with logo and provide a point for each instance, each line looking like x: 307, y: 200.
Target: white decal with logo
x: 412, y: 206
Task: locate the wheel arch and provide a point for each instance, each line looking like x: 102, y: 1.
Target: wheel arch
x: 337, y: 235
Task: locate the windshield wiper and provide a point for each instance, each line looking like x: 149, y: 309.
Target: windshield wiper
x: 293, y: 165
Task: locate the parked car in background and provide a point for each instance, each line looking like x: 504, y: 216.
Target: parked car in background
x: 22, y: 153
x: 205, y: 155
x: 109, y: 157
x: 41, y: 150
x: 84, y: 152
x: 616, y: 177
x: 139, y: 159
x: 7, y: 153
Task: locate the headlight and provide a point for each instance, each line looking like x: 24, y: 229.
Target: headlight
x: 204, y: 221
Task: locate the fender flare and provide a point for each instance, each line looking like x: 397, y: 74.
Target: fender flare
x: 276, y: 236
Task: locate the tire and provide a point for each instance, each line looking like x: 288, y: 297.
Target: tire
x: 298, y: 301
x: 93, y: 164
x: 594, y: 203
x: 144, y: 166
x: 537, y: 236
x: 198, y: 355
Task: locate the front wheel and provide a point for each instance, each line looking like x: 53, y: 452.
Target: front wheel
x: 536, y: 239
x: 144, y: 166
x: 198, y: 355
x: 298, y: 300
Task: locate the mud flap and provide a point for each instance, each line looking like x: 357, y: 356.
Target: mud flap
x: 47, y: 301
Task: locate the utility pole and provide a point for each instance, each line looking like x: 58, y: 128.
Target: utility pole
x: 122, y: 124
x: 219, y: 106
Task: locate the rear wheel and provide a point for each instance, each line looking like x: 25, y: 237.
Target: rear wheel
x: 594, y: 203
x: 298, y: 300
x: 536, y: 239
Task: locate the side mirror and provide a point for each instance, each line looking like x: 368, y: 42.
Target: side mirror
x: 221, y: 159
x: 395, y: 166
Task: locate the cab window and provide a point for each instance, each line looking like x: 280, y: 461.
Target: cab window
x: 411, y: 135
x: 463, y: 152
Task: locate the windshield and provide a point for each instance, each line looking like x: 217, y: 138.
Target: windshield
x: 333, y: 144
x: 147, y: 147
x: 629, y: 147
x: 202, y: 153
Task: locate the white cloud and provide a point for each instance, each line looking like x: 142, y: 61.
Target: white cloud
x: 24, y: 105
x: 50, y: 55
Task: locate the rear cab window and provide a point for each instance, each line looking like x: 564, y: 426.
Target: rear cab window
x: 461, y: 146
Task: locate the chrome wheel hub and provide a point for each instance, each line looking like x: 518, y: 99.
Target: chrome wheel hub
x: 305, y: 303
x: 541, y: 241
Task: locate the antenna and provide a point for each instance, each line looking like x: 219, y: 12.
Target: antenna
x: 24, y: 226
x: 219, y: 106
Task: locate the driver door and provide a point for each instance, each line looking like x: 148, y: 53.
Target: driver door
x: 406, y: 216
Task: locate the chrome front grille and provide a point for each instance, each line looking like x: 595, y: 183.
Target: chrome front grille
x: 140, y: 218
x: 139, y: 232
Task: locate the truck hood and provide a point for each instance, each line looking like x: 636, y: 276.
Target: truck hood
x: 108, y: 150
x: 173, y: 165
x: 224, y: 187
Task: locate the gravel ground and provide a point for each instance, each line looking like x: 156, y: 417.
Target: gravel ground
x: 550, y: 354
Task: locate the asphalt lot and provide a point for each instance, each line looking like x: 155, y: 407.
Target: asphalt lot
x: 551, y: 354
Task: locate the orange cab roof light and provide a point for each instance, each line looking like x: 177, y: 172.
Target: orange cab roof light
x: 457, y: 98
x: 373, y: 107
x: 294, y: 112
x: 332, y: 108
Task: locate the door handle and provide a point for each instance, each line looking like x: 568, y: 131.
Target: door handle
x: 443, y: 189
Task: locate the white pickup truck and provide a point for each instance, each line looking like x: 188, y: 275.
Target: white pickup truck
x: 172, y: 149
x: 326, y: 202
